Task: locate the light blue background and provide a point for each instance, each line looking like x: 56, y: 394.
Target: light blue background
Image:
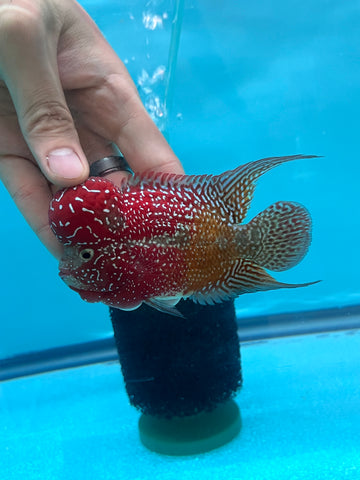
x: 299, y: 408
x: 253, y: 79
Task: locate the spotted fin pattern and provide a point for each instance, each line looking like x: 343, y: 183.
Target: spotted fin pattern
x: 279, y: 237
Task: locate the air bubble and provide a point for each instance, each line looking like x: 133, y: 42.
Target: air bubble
x: 152, y: 21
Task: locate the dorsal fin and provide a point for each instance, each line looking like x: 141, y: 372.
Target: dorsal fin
x: 168, y: 180
x: 236, y: 187
x: 232, y: 190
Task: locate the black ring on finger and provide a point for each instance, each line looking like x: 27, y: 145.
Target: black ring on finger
x: 106, y: 165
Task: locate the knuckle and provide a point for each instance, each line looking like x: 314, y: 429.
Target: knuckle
x: 48, y: 118
x: 17, y: 20
x: 23, y: 194
x: 25, y: 197
x: 42, y: 230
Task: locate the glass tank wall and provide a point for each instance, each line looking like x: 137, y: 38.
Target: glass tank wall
x: 227, y: 82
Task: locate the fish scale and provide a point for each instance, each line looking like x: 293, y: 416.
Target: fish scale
x: 157, y: 238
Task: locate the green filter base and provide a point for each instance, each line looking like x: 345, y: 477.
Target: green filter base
x: 191, y: 435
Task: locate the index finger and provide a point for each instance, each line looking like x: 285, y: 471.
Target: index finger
x: 142, y: 143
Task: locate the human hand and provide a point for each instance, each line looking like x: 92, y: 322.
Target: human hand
x: 65, y: 100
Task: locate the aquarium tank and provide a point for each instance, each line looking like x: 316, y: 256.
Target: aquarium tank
x: 227, y: 83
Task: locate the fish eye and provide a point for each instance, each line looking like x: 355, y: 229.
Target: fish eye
x: 86, y: 254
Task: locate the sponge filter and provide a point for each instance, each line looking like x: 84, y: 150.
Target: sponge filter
x: 176, y: 367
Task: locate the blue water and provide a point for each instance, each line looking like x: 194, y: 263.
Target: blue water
x: 252, y: 79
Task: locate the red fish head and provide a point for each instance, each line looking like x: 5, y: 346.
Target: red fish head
x: 87, y: 270
x: 86, y: 219
x: 115, y: 274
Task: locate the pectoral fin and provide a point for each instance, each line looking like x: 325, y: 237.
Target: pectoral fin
x: 165, y: 305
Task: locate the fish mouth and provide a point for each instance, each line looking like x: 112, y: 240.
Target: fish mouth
x: 80, y: 288
x: 72, y: 282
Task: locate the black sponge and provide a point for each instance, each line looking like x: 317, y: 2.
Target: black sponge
x: 176, y: 367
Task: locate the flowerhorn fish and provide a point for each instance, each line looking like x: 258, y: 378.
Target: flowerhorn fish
x: 160, y: 237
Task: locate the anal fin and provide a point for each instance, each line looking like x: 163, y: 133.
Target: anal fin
x: 244, y: 277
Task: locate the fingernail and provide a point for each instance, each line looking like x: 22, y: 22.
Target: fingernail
x: 64, y: 162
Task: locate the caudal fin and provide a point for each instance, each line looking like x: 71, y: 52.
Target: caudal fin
x: 276, y: 239
x: 279, y: 236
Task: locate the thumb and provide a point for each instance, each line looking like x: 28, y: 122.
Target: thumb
x: 50, y: 133
x: 29, y: 69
